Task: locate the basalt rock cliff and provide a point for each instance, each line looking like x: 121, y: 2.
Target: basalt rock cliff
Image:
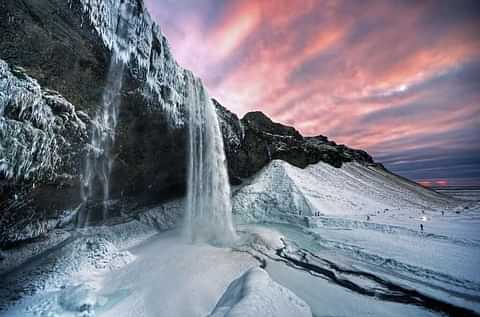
x: 54, y: 59
x: 255, y: 140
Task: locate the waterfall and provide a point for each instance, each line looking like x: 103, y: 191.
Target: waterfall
x: 209, y: 210
x: 95, y: 179
x: 98, y: 163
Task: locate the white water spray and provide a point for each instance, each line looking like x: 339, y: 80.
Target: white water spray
x: 209, y: 209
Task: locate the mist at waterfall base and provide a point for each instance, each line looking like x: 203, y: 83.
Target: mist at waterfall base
x: 208, y: 209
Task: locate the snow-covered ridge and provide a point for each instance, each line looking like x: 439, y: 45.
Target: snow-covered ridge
x: 281, y: 190
x: 145, y: 48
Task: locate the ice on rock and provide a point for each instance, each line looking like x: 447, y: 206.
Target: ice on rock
x: 256, y: 294
x: 31, y: 125
x: 145, y: 49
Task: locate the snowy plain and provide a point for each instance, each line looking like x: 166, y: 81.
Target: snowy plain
x: 319, y: 241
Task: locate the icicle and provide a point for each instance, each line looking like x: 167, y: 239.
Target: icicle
x: 28, y: 147
x: 139, y: 46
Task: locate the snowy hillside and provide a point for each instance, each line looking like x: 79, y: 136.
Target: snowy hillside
x: 368, y: 231
x: 281, y: 190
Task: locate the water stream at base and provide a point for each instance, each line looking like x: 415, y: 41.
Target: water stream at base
x: 209, y: 209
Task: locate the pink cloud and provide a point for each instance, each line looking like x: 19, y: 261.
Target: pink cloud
x: 327, y: 66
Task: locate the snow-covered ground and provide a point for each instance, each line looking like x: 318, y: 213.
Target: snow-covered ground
x: 366, y: 221
x: 160, y: 276
x: 319, y: 241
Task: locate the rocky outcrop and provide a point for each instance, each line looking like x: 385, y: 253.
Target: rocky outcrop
x: 255, y: 140
x: 67, y: 47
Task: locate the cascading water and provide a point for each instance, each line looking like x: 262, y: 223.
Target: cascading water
x: 99, y: 161
x: 209, y: 210
x: 98, y: 164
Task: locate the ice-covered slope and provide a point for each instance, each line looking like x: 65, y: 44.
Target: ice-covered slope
x: 281, y: 190
x: 255, y: 293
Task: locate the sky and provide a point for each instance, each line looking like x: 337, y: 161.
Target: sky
x: 399, y: 79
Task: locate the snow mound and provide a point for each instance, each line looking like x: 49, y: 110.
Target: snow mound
x: 72, y: 262
x: 282, y: 192
x: 14, y: 257
x: 259, y: 238
x: 256, y: 294
x: 271, y: 194
x: 145, y: 48
x: 163, y: 217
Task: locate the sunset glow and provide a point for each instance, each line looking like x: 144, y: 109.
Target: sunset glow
x: 399, y: 79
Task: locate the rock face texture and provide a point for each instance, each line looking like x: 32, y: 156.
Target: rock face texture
x: 66, y: 46
x: 255, y: 140
x: 42, y: 139
x: 55, y: 56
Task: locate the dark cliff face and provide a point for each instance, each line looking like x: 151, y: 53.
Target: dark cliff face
x: 255, y: 140
x: 55, y: 43
x: 48, y: 39
x: 59, y: 44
